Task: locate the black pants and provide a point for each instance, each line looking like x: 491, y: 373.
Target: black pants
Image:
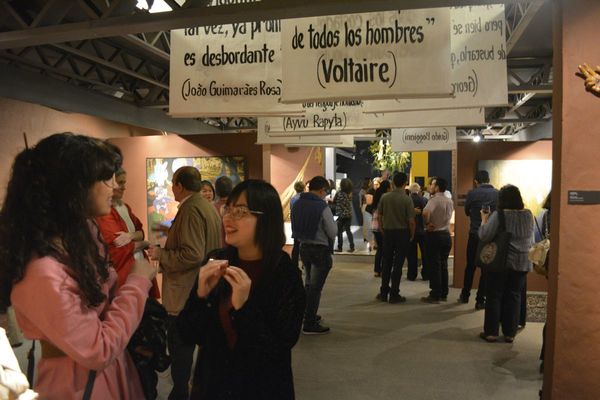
x: 317, y: 264
x: 503, y: 301
x: 438, y: 249
x: 181, y: 361
x: 470, y: 271
x: 413, y: 259
x: 395, y: 249
x: 296, y: 253
x: 343, y: 225
x: 379, y: 252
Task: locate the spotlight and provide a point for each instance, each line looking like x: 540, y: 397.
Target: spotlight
x: 477, y: 138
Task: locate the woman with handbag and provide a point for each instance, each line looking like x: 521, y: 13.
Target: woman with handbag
x: 54, y: 270
x: 247, y: 306
x: 505, y: 285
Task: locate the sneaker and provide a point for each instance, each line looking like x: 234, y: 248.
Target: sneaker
x: 430, y: 300
x: 316, y: 329
x: 382, y: 297
x: 480, y: 306
x: 396, y: 298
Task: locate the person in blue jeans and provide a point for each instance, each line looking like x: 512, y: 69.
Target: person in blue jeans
x: 314, y: 227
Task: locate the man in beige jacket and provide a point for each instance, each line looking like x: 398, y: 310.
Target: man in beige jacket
x: 195, y: 232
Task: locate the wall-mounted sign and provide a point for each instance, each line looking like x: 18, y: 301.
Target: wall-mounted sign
x: 584, y: 197
x: 225, y: 70
x: 477, y: 62
x: 371, y: 55
x: 424, y: 139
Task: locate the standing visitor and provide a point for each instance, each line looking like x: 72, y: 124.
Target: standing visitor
x: 195, y: 232
x: 207, y: 191
x: 313, y: 225
x: 504, y: 288
x: 419, y: 203
x: 343, y: 209
x: 437, y: 215
x: 246, y: 307
x: 396, y: 215
x: 384, y: 187
x: 54, y: 269
x: 483, y: 196
x: 299, y: 187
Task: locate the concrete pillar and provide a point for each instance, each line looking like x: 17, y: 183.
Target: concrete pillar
x: 573, y: 337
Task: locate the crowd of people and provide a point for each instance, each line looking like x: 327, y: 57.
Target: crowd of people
x: 80, y: 276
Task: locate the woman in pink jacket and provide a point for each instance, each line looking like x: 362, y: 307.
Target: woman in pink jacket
x: 54, y: 269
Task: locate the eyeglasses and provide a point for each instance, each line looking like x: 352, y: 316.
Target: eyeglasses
x: 238, y: 212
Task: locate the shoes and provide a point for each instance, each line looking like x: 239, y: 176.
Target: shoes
x: 463, y: 300
x: 350, y: 250
x: 488, y: 338
x: 377, y: 274
x: 396, y: 298
x: 316, y: 329
x: 480, y: 306
x: 430, y: 300
x: 509, y: 339
x: 382, y: 297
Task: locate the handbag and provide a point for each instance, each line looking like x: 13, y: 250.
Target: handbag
x: 538, y: 253
x: 492, y: 255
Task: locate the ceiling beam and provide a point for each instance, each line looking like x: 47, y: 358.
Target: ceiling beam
x: 204, y: 16
x: 527, y: 16
x: 31, y: 87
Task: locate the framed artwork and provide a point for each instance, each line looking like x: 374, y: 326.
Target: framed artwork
x: 532, y: 177
x: 160, y: 204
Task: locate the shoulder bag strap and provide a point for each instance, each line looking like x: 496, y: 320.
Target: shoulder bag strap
x: 502, y: 220
x: 538, y: 227
x: 89, y: 386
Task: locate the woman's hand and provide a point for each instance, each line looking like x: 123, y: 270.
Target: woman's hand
x: 123, y: 239
x: 484, y: 216
x: 144, y: 268
x: 240, y: 286
x: 209, y: 276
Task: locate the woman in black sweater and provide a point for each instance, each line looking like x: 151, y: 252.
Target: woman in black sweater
x: 247, y: 307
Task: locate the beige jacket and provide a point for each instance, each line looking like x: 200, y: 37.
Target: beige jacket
x: 195, y: 232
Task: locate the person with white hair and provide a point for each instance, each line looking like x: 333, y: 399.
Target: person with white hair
x: 419, y: 203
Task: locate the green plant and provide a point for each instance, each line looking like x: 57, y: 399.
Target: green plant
x: 385, y: 158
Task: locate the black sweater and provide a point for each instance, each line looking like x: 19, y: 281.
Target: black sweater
x: 267, y: 326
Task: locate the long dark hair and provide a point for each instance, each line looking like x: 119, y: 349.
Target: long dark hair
x: 509, y: 198
x: 46, y: 212
x: 269, y: 235
x: 381, y: 190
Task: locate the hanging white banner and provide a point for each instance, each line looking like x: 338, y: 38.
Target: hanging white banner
x: 371, y: 55
x: 427, y: 118
x: 223, y: 70
x: 424, y: 139
x: 477, y: 61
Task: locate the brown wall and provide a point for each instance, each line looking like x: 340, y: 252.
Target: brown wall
x: 137, y: 149
x: 39, y: 122
x: 468, y: 155
x: 573, y: 335
x: 286, y: 162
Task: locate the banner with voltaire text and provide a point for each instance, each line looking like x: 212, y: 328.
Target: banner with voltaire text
x: 371, y: 55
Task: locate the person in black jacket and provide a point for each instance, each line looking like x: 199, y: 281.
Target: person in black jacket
x: 247, y: 306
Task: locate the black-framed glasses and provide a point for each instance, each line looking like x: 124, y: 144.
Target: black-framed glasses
x: 238, y: 212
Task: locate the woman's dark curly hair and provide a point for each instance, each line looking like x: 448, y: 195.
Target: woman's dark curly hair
x: 46, y: 212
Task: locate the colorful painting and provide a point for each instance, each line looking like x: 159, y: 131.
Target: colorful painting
x: 532, y: 177
x: 161, y: 205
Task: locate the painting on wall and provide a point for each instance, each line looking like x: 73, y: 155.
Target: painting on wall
x: 532, y: 177
x: 161, y: 205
